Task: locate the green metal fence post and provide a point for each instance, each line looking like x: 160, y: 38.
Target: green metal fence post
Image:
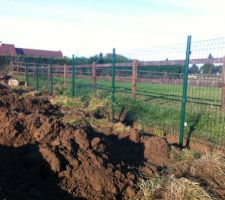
x: 184, y: 96
x: 51, y: 76
x: 113, y: 82
x: 73, y: 78
x: 37, y: 77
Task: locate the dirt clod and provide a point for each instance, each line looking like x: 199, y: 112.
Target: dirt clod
x: 157, y: 151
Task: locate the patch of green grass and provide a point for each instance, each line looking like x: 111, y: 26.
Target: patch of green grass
x: 164, y: 117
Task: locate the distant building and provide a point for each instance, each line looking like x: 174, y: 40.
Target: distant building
x: 11, y: 50
x: 7, y: 49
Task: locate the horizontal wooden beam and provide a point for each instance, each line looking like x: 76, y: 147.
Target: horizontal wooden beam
x: 141, y: 64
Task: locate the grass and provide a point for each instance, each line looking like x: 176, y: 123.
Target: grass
x: 203, y: 122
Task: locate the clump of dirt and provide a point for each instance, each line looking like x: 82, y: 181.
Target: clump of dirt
x: 157, y: 151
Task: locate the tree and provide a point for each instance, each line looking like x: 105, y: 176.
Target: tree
x: 207, y: 68
x: 93, y: 59
x: 100, y: 59
x: 194, y: 69
x: 217, y: 69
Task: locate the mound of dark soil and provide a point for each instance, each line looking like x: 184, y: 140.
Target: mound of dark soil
x: 42, y: 158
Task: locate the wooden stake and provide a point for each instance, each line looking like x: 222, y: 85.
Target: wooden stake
x: 134, y: 77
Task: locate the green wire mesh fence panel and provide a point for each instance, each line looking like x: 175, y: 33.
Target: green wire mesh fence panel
x: 35, y: 75
x: 205, y: 120
x: 123, y: 93
x: 42, y: 77
x: 83, y: 80
x: 57, y: 74
x: 31, y: 75
x: 19, y: 70
x: 124, y: 80
x: 155, y: 88
x: 67, y: 80
x: 104, y: 79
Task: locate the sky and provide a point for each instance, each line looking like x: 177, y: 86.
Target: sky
x: 87, y: 27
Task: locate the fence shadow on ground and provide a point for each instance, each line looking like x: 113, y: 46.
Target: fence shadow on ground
x: 196, y: 120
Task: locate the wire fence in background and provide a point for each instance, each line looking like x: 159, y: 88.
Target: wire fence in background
x: 150, y: 89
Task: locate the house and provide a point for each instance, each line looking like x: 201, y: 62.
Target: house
x: 7, y: 49
x: 11, y: 50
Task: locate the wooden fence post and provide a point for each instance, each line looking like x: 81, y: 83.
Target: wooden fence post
x: 65, y: 75
x: 134, y: 77
x: 223, y: 87
x: 94, y: 74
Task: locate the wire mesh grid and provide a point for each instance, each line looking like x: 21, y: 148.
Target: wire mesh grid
x: 149, y: 87
x: 204, y: 117
x: 157, y: 86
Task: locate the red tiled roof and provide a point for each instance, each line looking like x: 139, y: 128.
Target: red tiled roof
x: 7, y: 49
x: 41, y: 53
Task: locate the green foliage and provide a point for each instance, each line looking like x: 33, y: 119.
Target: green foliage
x: 194, y: 69
x: 172, y: 71
x: 210, y: 69
x: 100, y: 58
x: 5, y: 60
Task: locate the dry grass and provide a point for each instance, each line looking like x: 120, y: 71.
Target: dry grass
x: 67, y: 101
x: 99, y: 107
x: 184, y: 189
x: 91, y: 112
x: 150, y: 188
x: 162, y: 188
x: 210, y: 170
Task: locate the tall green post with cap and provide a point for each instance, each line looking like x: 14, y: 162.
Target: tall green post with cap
x: 113, y: 82
x: 73, y: 76
x: 184, y: 95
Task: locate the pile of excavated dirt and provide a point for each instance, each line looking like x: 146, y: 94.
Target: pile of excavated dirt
x: 42, y: 158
